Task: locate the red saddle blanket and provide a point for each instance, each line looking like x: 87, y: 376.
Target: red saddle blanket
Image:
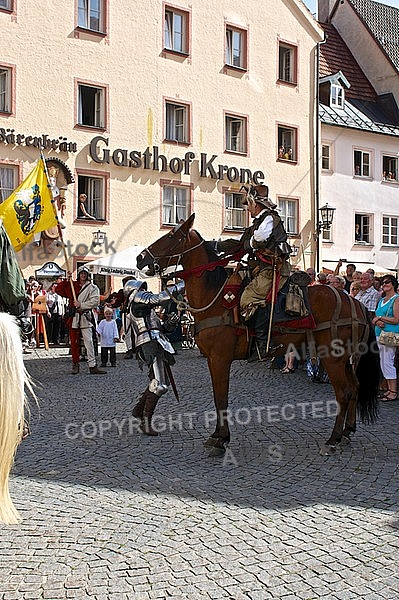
x: 231, y: 299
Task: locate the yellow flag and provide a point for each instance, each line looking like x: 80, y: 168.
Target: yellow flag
x: 29, y: 209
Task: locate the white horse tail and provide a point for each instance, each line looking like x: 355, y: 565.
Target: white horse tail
x: 12, y: 403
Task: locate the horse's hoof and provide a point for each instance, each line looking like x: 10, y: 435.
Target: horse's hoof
x: 217, y: 452
x: 345, y: 441
x: 327, y: 450
x: 210, y: 442
x: 216, y: 442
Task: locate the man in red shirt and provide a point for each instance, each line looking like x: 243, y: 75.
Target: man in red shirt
x: 87, y: 298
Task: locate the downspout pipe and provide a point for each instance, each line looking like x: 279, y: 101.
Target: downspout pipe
x: 317, y: 155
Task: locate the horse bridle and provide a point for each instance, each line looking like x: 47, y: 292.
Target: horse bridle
x: 181, y: 239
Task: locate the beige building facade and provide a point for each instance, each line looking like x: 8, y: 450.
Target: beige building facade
x: 157, y: 113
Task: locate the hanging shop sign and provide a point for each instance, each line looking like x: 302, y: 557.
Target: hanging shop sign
x: 151, y: 159
x: 50, y: 269
x: 43, y: 141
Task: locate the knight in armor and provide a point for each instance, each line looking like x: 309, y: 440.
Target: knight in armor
x: 152, y: 346
x: 268, y: 250
x: 118, y: 300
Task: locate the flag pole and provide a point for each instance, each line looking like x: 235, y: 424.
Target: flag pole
x: 58, y: 226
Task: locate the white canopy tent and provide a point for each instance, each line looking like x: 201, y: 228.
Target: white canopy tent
x: 362, y: 267
x: 119, y: 264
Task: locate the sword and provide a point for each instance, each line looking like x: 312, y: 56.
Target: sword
x: 273, y: 301
x: 169, y: 374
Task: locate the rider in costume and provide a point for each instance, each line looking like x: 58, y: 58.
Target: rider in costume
x: 266, y: 242
x: 152, y: 346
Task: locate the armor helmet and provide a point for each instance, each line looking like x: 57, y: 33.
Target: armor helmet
x: 133, y: 285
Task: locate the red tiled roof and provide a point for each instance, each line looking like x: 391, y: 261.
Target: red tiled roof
x: 335, y: 56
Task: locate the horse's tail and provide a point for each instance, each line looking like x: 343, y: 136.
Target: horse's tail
x: 368, y: 375
x: 12, y: 401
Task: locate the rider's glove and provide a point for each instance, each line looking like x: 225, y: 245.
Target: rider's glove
x: 171, y: 321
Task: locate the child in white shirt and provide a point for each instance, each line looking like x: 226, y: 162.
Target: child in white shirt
x: 108, y: 332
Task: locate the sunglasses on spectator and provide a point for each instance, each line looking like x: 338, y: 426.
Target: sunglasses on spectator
x: 386, y: 282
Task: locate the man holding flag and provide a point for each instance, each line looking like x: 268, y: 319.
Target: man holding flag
x: 29, y: 209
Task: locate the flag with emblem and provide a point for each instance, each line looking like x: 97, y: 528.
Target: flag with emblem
x: 29, y: 209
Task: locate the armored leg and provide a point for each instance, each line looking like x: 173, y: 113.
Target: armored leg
x: 138, y: 409
x: 151, y: 400
x: 157, y: 387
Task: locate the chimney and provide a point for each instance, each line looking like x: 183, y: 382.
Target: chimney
x: 324, y: 9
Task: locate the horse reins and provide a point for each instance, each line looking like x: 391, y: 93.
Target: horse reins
x: 181, y: 304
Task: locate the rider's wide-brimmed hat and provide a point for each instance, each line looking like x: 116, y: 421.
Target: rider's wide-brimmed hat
x: 258, y: 194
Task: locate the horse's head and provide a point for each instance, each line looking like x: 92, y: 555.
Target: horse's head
x: 167, y: 250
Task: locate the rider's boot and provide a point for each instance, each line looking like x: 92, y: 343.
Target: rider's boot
x: 151, y: 400
x: 138, y: 409
x: 261, y: 326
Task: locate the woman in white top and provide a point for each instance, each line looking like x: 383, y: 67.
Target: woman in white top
x: 387, y: 318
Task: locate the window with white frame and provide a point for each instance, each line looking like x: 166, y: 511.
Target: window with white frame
x: 177, y: 119
x: 326, y: 235
x: 175, y: 204
x: 326, y: 157
x: 362, y: 231
x: 287, y: 142
x: 5, y: 89
x: 236, y: 134
x: 390, y: 168
x: 288, y: 209
x: 337, y: 96
x: 236, y: 42
x: 94, y: 188
x: 8, y: 181
x: 91, y: 106
x: 287, y: 63
x: 361, y: 162
x: 176, y: 30
x: 390, y: 231
x: 91, y: 14
x: 234, y: 212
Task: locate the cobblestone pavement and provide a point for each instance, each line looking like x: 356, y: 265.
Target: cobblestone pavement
x: 109, y: 513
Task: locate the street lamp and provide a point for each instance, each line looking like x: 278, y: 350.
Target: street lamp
x: 326, y: 218
x: 98, y: 237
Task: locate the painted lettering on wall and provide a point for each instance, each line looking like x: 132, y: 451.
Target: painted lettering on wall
x: 151, y: 159
x: 44, y: 142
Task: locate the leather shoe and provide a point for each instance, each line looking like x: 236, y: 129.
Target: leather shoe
x: 96, y: 371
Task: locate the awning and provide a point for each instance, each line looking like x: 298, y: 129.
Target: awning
x: 361, y: 266
x: 119, y: 264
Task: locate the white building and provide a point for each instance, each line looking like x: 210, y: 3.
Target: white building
x: 359, y: 96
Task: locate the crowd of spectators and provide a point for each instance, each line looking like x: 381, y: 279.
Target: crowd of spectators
x: 380, y: 297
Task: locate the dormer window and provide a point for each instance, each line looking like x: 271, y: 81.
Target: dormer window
x: 337, y: 96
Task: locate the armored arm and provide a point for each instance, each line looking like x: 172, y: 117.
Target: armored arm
x: 150, y: 299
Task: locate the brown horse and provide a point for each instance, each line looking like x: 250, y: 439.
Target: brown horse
x: 342, y: 326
